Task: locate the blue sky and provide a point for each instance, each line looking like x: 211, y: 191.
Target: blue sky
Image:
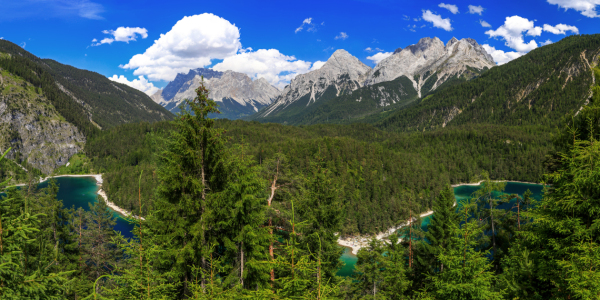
x: 276, y: 40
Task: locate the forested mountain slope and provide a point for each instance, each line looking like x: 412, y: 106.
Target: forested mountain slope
x: 102, y: 102
x: 541, y: 87
x: 373, y: 168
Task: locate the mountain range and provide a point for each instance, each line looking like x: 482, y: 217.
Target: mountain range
x: 236, y: 93
x: 344, y: 89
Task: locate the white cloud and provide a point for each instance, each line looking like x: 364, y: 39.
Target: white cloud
x: 406, y: 18
x: 141, y: 84
x: 23, y: 45
x: 192, y: 43
x: 342, y: 36
x: 451, y: 7
x: 1, y: 38
x: 369, y: 49
x: 560, y: 29
x: 122, y: 34
x: 484, y: 23
x: 437, y: 20
x: 512, y: 33
x: 379, y: 56
x: 476, y: 9
x: 275, y: 67
x: 547, y: 42
x: 306, y: 21
x: 317, y: 65
x: 501, y: 57
x: 586, y: 7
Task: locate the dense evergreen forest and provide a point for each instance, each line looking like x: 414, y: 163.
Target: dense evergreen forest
x: 230, y: 223
x: 373, y: 168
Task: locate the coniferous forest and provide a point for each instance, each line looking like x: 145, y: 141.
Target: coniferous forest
x: 249, y: 211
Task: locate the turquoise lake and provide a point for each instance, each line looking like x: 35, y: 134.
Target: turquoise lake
x: 460, y: 193
x: 82, y: 191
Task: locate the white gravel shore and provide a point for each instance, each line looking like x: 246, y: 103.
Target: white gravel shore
x: 356, y: 243
x: 102, y: 194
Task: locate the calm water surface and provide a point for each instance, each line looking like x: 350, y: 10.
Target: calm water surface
x: 460, y: 193
x: 81, y: 192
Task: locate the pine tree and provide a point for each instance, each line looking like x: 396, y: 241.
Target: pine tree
x: 321, y: 208
x: 467, y: 272
x: 440, y: 229
x: 564, y: 235
x: 237, y: 217
x: 191, y: 169
x: 26, y: 265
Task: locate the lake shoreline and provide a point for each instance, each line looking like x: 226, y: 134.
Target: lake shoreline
x: 357, y: 242
x: 99, y: 181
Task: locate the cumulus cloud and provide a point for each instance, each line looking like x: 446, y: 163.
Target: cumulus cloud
x: 277, y: 68
x: 317, y: 65
x: 141, y: 84
x: 547, y: 42
x: 512, y: 33
x: 501, y: 57
x: 484, y: 23
x: 586, y: 7
x: 437, y: 20
x: 451, y: 7
x: 476, y: 9
x: 192, y: 43
x: 379, y: 56
x: 122, y: 34
x: 342, y: 36
x: 560, y: 29
x: 306, y: 21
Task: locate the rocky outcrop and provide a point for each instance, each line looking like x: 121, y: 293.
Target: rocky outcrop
x: 341, y: 73
x: 430, y: 57
x: 32, y: 127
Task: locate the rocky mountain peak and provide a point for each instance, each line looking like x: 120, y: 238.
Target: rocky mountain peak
x: 425, y: 44
x: 398, y: 50
x: 344, y: 62
x: 430, y: 56
x: 451, y: 42
x: 341, y: 73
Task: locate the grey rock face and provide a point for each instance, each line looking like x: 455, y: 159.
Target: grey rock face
x: 229, y: 85
x: 342, y: 71
x: 182, y: 81
x: 430, y: 56
x: 30, y: 125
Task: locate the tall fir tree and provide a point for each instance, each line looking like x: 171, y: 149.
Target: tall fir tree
x: 191, y: 170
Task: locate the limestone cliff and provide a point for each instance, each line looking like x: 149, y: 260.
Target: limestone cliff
x: 34, y: 129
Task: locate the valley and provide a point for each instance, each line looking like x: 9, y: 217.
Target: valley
x: 260, y: 187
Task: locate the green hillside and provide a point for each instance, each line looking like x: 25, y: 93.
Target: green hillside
x: 86, y: 99
x: 539, y: 88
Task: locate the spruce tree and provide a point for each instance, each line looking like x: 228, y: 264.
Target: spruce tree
x: 322, y: 209
x: 191, y: 170
x: 440, y: 229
